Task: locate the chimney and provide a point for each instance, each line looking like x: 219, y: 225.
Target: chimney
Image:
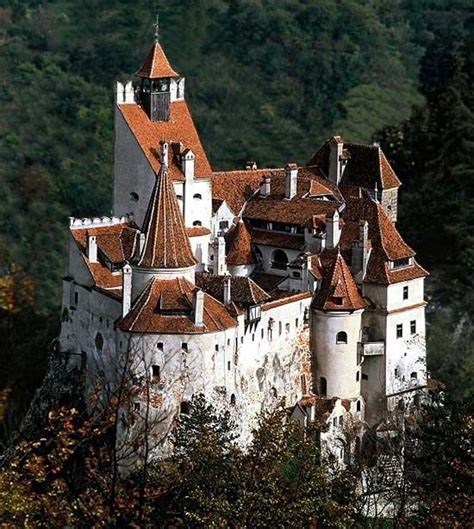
x: 291, y: 180
x: 187, y: 163
x: 335, y: 159
x: 333, y: 231
x: 126, y: 289
x: 227, y: 289
x: 360, y: 252
x: 265, y: 187
x: 119, y: 93
x: 164, y: 152
x: 219, y: 258
x: 92, y: 248
x: 198, y: 307
x: 251, y: 166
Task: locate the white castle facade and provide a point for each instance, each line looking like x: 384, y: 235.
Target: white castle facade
x: 247, y: 286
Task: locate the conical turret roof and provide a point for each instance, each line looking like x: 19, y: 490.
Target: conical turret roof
x: 166, y: 242
x: 239, y: 246
x: 156, y: 65
x: 338, y: 290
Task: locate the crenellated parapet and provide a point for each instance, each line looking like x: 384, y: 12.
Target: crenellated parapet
x: 96, y: 222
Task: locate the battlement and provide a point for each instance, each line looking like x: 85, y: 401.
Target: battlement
x: 96, y: 222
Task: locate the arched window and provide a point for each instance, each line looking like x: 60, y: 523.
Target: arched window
x: 232, y: 400
x: 341, y: 337
x: 197, y: 223
x: 185, y: 408
x: 323, y: 387
x: 279, y: 260
x: 134, y: 197
x: 197, y: 196
x: 274, y: 393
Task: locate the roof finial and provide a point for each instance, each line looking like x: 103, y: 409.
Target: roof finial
x: 156, y: 25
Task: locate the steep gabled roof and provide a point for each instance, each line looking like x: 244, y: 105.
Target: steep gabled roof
x: 338, y: 289
x: 179, y: 131
x: 243, y: 290
x: 366, y: 166
x: 156, y: 65
x: 239, y: 246
x: 166, y: 306
x: 166, y: 242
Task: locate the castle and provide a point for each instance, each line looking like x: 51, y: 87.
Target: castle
x: 248, y: 286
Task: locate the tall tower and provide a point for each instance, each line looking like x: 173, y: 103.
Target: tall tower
x: 336, y: 318
x: 160, y: 84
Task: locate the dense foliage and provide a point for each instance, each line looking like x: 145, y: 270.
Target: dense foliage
x: 267, y: 81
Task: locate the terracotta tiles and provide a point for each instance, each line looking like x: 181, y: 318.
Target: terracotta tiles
x: 197, y: 231
x: 239, y: 246
x: 278, y: 240
x: 244, y: 291
x: 180, y: 129
x: 166, y: 242
x: 166, y: 307
x: 156, y: 64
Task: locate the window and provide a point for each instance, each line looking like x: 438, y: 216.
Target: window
x: 297, y: 322
x: 197, y: 223
x: 228, y: 341
x: 99, y: 342
x: 414, y: 375
x: 155, y: 373
x: 179, y: 197
x: 232, y: 400
x: 185, y: 408
x: 159, y: 346
x: 405, y: 292
x: 287, y: 327
x: 399, y: 263
x: 337, y: 300
x: 297, y: 275
x: 334, y: 421
x: 396, y: 372
x: 279, y: 260
x: 197, y: 196
x: 413, y: 327
x: 365, y: 377
x: 216, y: 347
x: 274, y: 393
x: 341, y: 420
x: 76, y: 298
x: 323, y: 387
x: 357, y: 376
x: 228, y: 366
x: 253, y: 337
x: 400, y: 330
x: 358, y: 405
x: 241, y: 339
x: 280, y: 327
x: 223, y: 224
x: 134, y: 197
x: 184, y: 347
x: 341, y: 337
x: 136, y: 406
x: 262, y: 333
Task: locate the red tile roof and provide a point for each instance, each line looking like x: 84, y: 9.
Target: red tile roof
x: 278, y: 240
x: 284, y: 298
x: 156, y: 64
x: 366, y: 166
x: 239, y: 246
x: 166, y: 307
x: 197, y: 231
x: 244, y: 291
x: 179, y: 129
x: 338, y: 289
x: 166, y: 242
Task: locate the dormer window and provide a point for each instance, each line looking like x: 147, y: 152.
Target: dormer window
x: 400, y: 263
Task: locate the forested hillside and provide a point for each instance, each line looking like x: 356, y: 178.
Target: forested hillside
x: 267, y: 81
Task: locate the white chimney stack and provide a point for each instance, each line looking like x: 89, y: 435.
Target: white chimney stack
x: 126, y: 289
x: 188, y: 160
x: 227, y: 289
x: 291, y: 180
x: 164, y: 152
x: 129, y: 94
x: 198, y: 307
x: 119, y: 93
x: 92, y: 248
x: 220, y: 267
x: 265, y: 188
x: 333, y: 231
x: 335, y: 159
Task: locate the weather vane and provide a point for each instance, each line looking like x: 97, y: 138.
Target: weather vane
x: 157, y: 27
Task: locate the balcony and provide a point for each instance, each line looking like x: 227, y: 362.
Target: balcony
x: 371, y: 348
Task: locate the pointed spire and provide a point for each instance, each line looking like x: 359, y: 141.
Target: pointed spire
x: 239, y: 245
x: 157, y: 27
x: 166, y: 242
x: 338, y: 290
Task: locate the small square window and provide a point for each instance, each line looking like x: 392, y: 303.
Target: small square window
x: 159, y: 346
x: 405, y: 292
x: 184, y: 347
x: 413, y: 327
x: 136, y: 406
x: 400, y: 330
